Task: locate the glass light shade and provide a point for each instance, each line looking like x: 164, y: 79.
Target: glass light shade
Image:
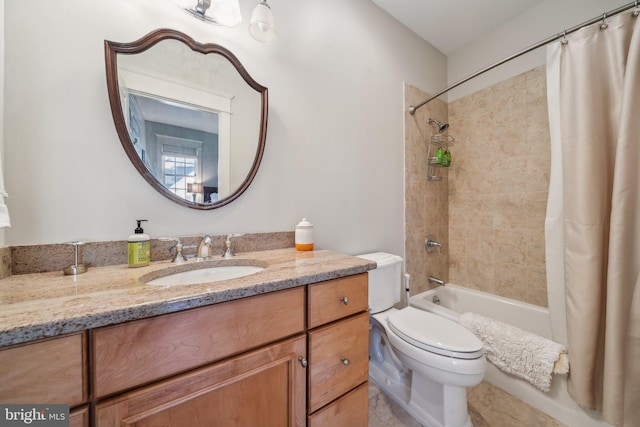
x: 225, y: 12
x: 262, y: 26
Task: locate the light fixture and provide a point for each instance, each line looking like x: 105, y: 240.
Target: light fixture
x: 262, y: 26
x: 227, y: 13
x: 221, y: 12
x: 195, y: 188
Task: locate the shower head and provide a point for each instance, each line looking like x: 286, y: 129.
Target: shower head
x: 441, y: 126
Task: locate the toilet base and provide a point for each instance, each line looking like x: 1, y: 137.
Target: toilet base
x: 416, y: 404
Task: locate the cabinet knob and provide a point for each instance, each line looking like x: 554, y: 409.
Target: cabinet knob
x: 303, y: 361
x: 345, y: 361
x: 345, y: 300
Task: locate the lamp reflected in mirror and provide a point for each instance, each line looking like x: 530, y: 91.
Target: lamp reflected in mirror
x: 195, y: 189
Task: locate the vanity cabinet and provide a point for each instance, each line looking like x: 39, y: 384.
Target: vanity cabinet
x: 293, y: 357
x: 200, y: 357
x: 338, y: 352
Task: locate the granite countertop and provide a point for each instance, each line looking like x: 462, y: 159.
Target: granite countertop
x: 39, y: 305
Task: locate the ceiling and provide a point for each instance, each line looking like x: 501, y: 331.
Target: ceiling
x: 452, y: 24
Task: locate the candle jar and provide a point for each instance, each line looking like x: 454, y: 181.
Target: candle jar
x: 304, y: 235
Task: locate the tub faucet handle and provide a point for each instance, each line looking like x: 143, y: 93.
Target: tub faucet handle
x: 431, y: 244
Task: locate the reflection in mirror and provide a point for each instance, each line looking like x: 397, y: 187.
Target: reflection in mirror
x: 189, y: 116
x: 178, y: 144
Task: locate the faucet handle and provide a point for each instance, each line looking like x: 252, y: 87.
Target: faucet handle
x: 228, y: 253
x: 431, y: 244
x: 179, y: 257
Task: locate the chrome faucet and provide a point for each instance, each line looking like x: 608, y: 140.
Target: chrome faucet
x: 205, y: 249
x: 436, y: 281
x: 228, y: 253
x: 431, y: 244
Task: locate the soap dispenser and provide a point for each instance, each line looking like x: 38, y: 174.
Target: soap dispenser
x: 139, y: 247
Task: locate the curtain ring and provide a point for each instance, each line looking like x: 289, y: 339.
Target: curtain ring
x: 636, y: 10
x: 564, y: 40
x: 604, y: 24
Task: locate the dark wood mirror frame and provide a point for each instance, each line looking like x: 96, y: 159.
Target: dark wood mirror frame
x: 112, y: 49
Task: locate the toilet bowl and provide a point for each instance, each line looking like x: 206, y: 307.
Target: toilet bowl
x: 423, y: 361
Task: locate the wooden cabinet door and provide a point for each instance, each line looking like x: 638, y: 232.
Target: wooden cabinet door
x: 48, y: 371
x: 263, y: 388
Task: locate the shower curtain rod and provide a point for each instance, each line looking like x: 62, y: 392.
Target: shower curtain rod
x: 412, y: 109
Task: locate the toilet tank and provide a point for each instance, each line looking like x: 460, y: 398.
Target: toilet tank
x: 384, y: 281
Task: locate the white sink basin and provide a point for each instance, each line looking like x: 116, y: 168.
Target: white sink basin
x: 206, y: 275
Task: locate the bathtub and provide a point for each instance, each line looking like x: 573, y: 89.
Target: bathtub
x: 455, y: 300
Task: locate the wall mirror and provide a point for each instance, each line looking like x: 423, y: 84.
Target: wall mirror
x: 189, y: 116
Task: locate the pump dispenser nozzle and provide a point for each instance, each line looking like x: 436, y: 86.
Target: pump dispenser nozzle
x: 139, y: 229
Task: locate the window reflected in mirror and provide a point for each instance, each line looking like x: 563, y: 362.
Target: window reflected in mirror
x: 178, y: 144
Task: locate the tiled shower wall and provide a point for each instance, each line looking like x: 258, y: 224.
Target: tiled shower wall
x: 498, y: 187
x: 426, y: 202
x: 497, y: 190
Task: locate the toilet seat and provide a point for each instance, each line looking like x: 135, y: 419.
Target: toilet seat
x: 434, y: 333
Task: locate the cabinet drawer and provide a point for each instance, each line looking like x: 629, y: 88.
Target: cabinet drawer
x: 351, y: 410
x: 51, y: 371
x: 338, y: 298
x: 338, y: 359
x: 142, y: 351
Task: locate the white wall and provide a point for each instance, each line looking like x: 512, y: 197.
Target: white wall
x: 548, y: 18
x: 334, y: 151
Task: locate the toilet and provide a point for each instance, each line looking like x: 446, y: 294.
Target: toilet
x: 421, y: 360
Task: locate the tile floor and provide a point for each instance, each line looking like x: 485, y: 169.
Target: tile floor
x: 489, y: 406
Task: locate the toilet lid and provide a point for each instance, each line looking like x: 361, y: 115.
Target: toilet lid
x: 435, y: 333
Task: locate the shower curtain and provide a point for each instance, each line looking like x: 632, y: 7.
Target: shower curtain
x: 594, y: 211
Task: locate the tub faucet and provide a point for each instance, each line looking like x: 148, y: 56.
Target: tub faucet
x: 436, y: 281
x: 204, y: 249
